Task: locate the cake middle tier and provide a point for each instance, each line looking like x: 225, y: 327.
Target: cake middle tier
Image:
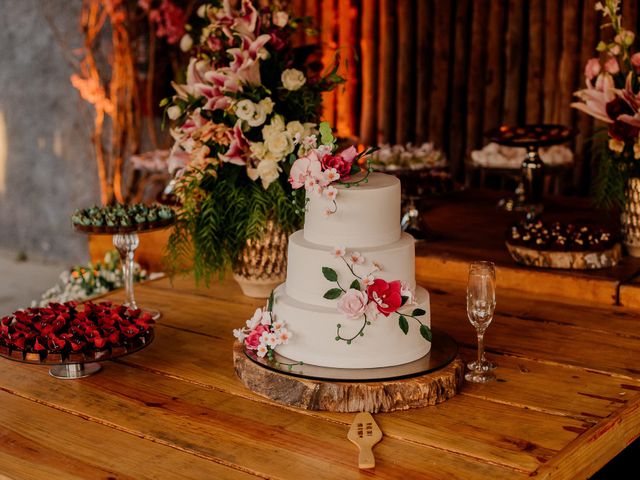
x: 366, y: 215
x: 307, y: 283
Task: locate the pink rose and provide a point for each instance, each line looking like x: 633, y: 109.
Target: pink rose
x: 592, y: 68
x: 303, y: 168
x: 635, y: 61
x: 353, y: 303
x: 253, y: 339
x: 611, y: 66
x: 338, y: 163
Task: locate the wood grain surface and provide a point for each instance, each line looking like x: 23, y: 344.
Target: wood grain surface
x: 566, y: 401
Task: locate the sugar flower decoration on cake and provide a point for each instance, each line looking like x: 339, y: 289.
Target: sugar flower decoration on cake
x: 318, y: 167
x: 368, y: 297
x: 262, y: 333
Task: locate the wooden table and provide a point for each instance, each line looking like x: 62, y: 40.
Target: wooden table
x: 566, y: 401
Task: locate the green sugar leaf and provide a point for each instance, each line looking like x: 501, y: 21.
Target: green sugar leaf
x: 330, y: 274
x: 355, y: 284
x: 332, y: 294
x: 404, y: 325
x: 425, y: 332
x: 418, y: 312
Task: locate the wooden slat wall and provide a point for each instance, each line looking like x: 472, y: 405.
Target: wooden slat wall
x: 446, y: 71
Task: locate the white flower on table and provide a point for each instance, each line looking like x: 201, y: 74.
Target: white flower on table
x: 266, y: 318
x: 254, y: 321
x: 293, y: 79
x: 283, y: 336
x: 245, y: 109
x: 278, y: 325
x: 261, y: 350
x: 239, y: 334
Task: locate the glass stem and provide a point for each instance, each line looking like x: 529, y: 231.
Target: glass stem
x: 480, y: 351
x: 126, y: 245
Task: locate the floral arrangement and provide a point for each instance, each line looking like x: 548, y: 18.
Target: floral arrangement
x: 368, y: 297
x: 263, y: 333
x: 140, y: 216
x: 612, y: 95
x: 248, y: 110
x: 321, y: 166
x: 73, y: 328
x: 93, y: 279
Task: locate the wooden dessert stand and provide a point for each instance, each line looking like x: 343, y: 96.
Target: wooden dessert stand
x: 349, y: 396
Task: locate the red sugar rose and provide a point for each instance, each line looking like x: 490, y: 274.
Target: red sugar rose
x: 386, y: 295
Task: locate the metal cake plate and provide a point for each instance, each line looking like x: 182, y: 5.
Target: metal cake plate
x: 443, y: 350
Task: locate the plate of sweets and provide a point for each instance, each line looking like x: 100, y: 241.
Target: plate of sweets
x: 119, y: 218
x: 563, y: 245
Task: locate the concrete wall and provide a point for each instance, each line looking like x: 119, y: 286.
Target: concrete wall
x: 47, y: 166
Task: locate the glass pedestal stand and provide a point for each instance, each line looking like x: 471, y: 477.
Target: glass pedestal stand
x: 412, y: 220
x: 126, y: 244
x: 528, y: 194
x: 73, y: 371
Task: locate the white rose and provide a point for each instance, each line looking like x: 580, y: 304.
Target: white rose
x: 258, y: 118
x: 174, y: 112
x: 280, y: 19
x: 258, y: 150
x: 294, y: 128
x: 274, y: 128
x: 268, y: 172
x: 279, y: 144
x: 292, y: 79
x: 266, y: 104
x: 186, y: 42
x: 245, y: 109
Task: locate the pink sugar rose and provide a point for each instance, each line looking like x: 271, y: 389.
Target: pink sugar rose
x: 341, y: 162
x: 253, y: 339
x: 611, y: 66
x: 353, y: 303
x: 592, y: 68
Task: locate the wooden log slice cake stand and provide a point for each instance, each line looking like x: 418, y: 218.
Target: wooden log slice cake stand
x: 405, y: 390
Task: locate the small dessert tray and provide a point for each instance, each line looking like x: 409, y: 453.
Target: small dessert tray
x: 563, y: 246
x: 539, y: 135
x: 71, y: 337
x: 122, y: 219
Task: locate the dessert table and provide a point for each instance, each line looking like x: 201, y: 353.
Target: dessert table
x: 567, y: 400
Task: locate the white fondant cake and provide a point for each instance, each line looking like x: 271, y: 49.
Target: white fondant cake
x: 350, y: 299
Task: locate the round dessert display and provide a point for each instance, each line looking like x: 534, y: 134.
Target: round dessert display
x: 558, y: 245
x: 73, y: 334
x: 350, y: 299
x: 112, y: 219
x: 540, y: 135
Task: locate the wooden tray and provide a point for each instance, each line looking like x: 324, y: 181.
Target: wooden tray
x: 333, y: 395
x: 566, y: 260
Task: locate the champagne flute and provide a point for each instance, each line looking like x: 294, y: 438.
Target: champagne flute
x: 481, y: 303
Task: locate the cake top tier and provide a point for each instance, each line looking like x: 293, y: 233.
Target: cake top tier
x: 367, y: 215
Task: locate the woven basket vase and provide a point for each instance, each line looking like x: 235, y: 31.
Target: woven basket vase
x: 262, y: 264
x: 630, y: 218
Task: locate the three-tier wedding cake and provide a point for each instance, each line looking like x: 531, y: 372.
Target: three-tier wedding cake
x: 350, y: 299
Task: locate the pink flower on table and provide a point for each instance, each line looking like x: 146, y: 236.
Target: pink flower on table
x: 252, y: 341
x: 303, y: 168
x: 239, y: 147
x: 339, y: 251
x: 611, y: 66
x: 353, y: 303
x: 356, y: 258
x: 386, y: 295
x: 592, y: 68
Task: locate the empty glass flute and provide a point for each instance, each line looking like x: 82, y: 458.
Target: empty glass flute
x: 481, y: 303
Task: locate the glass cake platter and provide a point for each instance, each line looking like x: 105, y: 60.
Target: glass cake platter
x: 443, y: 350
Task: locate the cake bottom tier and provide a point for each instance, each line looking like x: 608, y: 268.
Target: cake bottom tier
x: 314, y: 330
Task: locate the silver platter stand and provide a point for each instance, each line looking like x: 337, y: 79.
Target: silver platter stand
x: 443, y: 350
x: 72, y: 371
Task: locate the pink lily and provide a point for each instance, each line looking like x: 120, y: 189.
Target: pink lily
x: 634, y: 103
x: 245, y: 64
x: 239, y: 147
x: 594, y: 100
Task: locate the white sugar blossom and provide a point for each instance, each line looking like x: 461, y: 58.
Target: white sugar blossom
x: 239, y: 334
x: 407, y: 291
x: 283, y: 336
x: 339, y: 251
x: 331, y: 175
x: 293, y: 79
x: 331, y: 193
x: 356, y: 258
x: 278, y: 324
x: 261, y: 350
x: 272, y: 340
x: 266, y: 318
x: 368, y: 280
x: 254, y: 321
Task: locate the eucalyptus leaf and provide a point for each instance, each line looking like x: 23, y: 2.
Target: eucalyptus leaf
x: 332, y: 294
x: 404, y: 325
x: 326, y: 135
x: 425, y: 332
x: 330, y: 274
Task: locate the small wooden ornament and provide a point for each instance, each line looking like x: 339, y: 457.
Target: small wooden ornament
x: 365, y: 433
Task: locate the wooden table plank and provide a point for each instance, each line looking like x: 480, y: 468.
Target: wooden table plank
x: 40, y: 442
x: 258, y: 438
